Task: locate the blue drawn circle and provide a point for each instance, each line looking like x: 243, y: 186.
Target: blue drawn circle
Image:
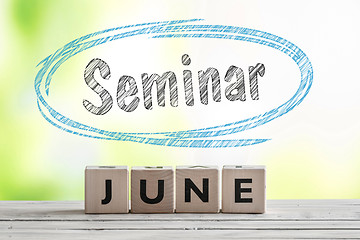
x: 199, y: 138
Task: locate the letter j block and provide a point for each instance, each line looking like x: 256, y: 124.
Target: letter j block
x: 106, y: 189
x: 152, y: 190
x: 243, y: 189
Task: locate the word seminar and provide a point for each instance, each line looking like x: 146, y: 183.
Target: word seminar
x: 127, y: 88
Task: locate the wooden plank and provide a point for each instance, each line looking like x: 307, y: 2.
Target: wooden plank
x: 178, y: 234
x: 299, y: 210
x: 182, y: 225
x: 284, y: 219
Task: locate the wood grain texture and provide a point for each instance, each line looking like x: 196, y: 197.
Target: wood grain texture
x: 156, y: 184
x: 243, y: 189
x: 284, y: 219
x: 187, y: 200
x: 97, y: 179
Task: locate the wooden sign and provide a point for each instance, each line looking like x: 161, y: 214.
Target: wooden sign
x: 197, y: 189
x: 106, y: 189
x: 243, y: 189
x: 153, y: 189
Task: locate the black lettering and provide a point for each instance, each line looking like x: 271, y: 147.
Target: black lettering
x: 203, y: 85
x: 189, y: 96
x: 108, y: 192
x: 236, y: 90
x: 160, y: 83
x: 122, y: 93
x: 204, y: 195
x: 253, y: 71
x: 105, y: 96
x: 159, y: 196
x: 239, y: 190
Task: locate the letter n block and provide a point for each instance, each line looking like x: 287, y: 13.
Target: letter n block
x: 243, y: 189
x: 197, y: 189
x: 152, y: 190
x: 106, y: 189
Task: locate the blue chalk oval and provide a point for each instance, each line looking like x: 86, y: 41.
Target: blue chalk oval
x: 199, y: 138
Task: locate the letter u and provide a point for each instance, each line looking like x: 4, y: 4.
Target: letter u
x: 159, y: 196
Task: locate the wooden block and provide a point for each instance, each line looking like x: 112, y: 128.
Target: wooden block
x: 152, y: 190
x: 197, y: 189
x: 106, y: 189
x: 243, y: 189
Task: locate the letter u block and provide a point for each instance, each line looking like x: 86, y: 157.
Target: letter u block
x: 106, y: 189
x: 197, y: 189
x: 243, y: 189
x: 152, y: 190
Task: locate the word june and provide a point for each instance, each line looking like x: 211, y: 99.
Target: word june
x: 127, y: 89
x: 188, y: 189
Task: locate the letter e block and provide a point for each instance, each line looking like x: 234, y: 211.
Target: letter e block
x: 152, y: 190
x: 106, y: 189
x: 197, y: 189
x: 243, y: 189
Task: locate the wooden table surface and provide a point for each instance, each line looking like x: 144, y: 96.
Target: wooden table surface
x: 284, y: 219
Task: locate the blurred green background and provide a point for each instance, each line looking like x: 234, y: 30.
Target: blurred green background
x: 314, y: 152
